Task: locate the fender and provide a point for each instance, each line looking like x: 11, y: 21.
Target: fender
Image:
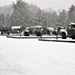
x: 63, y: 31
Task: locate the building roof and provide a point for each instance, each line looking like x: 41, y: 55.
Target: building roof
x: 16, y: 27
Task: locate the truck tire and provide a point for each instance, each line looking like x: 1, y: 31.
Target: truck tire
x: 63, y: 35
x: 38, y: 33
x: 26, y: 33
x: 1, y: 32
x: 73, y: 37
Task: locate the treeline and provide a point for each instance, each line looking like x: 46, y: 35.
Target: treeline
x: 27, y: 15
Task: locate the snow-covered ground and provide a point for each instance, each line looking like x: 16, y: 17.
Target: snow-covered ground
x: 33, y: 57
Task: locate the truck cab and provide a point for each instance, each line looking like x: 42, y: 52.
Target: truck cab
x: 69, y: 32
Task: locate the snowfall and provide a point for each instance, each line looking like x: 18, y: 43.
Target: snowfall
x: 34, y: 57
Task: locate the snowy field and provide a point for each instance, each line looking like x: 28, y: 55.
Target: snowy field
x: 33, y: 57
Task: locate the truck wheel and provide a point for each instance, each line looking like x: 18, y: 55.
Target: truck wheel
x: 38, y: 34
x: 26, y: 33
x: 63, y: 36
x: 73, y: 37
x: 1, y: 33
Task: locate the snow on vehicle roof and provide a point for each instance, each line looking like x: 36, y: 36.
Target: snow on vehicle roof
x: 38, y: 26
x: 16, y: 27
x: 72, y: 23
x: 35, y: 26
x: 50, y: 28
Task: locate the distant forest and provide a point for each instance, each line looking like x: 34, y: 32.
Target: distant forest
x: 23, y: 14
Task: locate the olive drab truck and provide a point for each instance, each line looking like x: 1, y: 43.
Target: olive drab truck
x: 69, y: 31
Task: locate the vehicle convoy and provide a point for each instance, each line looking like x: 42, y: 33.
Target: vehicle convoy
x: 69, y: 31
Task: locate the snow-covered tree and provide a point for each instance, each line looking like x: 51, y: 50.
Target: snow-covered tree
x: 62, y: 18
x: 39, y: 19
x: 19, y: 15
x: 71, y: 14
x: 2, y: 18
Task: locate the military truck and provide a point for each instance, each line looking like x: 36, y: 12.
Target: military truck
x: 69, y: 31
x: 33, y: 30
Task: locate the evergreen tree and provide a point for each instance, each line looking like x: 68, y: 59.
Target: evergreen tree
x: 52, y: 19
x: 62, y: 19
x: 71, y: 14
x: 2, y: 19
x: 40, y: 19
x: 19, y: 15
x: 7, y: 20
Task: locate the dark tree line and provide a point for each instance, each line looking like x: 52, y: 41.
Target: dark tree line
x: 30, y: 15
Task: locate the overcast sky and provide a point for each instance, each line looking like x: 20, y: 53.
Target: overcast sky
x: 43, y: 4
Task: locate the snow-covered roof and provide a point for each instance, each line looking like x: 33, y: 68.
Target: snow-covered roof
x: 50, y: 28
x: 72, y: 23
x: 38, y: 26
x: 35, y: 26
x: 16, y: 27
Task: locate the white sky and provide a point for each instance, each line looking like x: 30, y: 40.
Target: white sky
x: 43, y: 4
